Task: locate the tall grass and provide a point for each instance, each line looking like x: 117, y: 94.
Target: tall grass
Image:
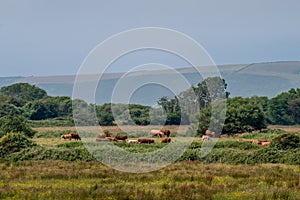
x: 184, y: 180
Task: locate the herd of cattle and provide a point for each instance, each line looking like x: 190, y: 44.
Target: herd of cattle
x: 164, y: 134
x: 103, y: 136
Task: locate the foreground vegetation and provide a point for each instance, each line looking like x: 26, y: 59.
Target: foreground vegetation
x: 183, y: 180
x: 48, y: 167
x: 239, y: 149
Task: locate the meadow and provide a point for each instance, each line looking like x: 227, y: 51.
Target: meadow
x: 48, y: 167
x: 182, y: 180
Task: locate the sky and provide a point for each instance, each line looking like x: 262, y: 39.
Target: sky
x: 41, y: 38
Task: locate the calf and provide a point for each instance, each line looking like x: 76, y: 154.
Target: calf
x: 132, y: 141
x: 166, y: 140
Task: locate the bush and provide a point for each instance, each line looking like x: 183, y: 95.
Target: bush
x: 286, y: 141
x: 16, y: 124
x: 50, y: 153
x: 14, y: 142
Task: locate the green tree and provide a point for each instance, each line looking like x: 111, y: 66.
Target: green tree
x: 242, y: 115
x: 210, y: 90
x: 23, y: 91
x: 294, y: 107
x: 104, y: 114
x: 84, y: 113
x: 278, y: 111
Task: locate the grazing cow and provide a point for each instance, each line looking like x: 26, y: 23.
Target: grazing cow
x: 103, y: 135
x: 111, y: 138
x: 265, y: 144
x: 156, y: 133
x: 75, y: 136
x: 166, y: 140
x: 66, y: 136
x: 209, y: 133
x: 71, y: 136
x: 132, y: 141
x: 121, y: 137
x: 166, y: 132
x: 145, y: 140
x: 205, y: 137
x: 160, y: 133
x: 260, y: 141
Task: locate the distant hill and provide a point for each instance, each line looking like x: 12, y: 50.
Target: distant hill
x: 261, y: 79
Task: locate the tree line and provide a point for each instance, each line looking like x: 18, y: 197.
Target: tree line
x: 195, y: 104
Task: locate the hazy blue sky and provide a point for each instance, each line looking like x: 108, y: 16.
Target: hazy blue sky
x: 39, y: 37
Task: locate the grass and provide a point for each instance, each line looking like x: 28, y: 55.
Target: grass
x: 114, y: 129
x: 54, y: 168
x: 184, y: 180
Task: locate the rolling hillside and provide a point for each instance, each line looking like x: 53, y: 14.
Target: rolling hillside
x: 261, y: 79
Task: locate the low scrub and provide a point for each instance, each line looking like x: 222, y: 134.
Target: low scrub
x: 286, y: 141
x: 14, y: 142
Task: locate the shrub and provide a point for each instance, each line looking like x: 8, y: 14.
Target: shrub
x: 286, y: 141
x: 14, y: 142
x: 16, y: 124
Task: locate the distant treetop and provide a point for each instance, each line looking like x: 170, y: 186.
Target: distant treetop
x: 23, y: 91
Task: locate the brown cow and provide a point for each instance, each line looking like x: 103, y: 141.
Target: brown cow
x: 70, y: 136
x: 121, y: 137
x: 75, y: 136
x: 166, y: 132
x: 111, y: 138
x: 145, y: 140
x: 265, y: 144
x: 66, y: 136
x: 160, y: 133
x: 209, y: 133
x: 260, y: 141
x: 156, y: 133
x: 166, y: 140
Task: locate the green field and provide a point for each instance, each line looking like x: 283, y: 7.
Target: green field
x: 48, y: 167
